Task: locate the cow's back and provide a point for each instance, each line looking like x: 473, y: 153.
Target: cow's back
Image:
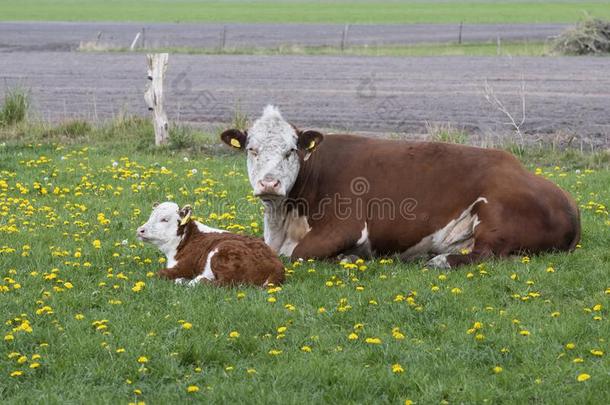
x: 428, y: 184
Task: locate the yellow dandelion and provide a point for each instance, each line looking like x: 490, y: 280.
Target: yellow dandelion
x: 192, y: 389
x: 583, y: 377
x: 397, y: 368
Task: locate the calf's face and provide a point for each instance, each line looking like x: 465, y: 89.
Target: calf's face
x: 275, y: 149
x: 164, y: 224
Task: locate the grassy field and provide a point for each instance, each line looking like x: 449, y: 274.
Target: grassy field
x: 363, y: 12
x: 85, y: 320
x: 441, y: 49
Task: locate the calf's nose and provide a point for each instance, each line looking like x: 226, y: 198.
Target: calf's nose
x: 141, y: 230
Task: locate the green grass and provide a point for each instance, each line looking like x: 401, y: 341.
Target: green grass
x: 362, y: 12
x: 14, y: 107
x: 57, y: 199
x: 442, y: 49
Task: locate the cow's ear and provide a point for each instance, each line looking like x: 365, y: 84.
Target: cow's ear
x: 234, y: 138
x: 185, y: 214
x: 309, y: 140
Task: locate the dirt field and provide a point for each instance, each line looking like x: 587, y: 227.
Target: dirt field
x: 566, y: 96
x: 52, y: 36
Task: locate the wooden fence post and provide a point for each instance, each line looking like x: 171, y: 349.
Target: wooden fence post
x: 223, y: 39
x: 157, y: 65
x: 344, y: 35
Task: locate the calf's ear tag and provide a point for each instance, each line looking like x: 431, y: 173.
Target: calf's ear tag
x: 187, y: 216
x: 312, y: 145
x: 186, y: 219
x: 235, y: 143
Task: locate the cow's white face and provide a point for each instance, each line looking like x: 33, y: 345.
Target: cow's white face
x: 163, y: 225
x: 275, y: 149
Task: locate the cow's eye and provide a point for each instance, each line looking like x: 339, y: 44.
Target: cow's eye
x: 253, y: 152
x: 289, y: 153
x: 164, y: 219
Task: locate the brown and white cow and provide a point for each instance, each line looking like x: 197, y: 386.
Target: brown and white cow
x: 334, y: 195
x: 197, y: 253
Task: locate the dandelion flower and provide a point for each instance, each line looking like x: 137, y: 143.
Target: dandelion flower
x: 187, y: 325
x: 192, y: 389
x: 583, y: 377
x: 142, y: 359
x: 497, y: 369
x: 373, y: 341
x: 234, y: 334
x: 397, y: 368
x: 306, y: 349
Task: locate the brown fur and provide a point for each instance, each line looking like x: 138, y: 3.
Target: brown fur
x: 525, y: 213
x: 239, y: 260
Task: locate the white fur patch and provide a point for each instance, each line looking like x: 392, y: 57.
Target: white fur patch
x: 207, y: 229
x: 180, y: 281
x: 456, y: 236
x: 439, y: 262
x: 207, y: 274
x: 364, y: 237
x: 283, y: 232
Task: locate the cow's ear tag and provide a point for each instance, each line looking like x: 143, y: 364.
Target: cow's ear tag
x: 312, y: 145
x: 235, y: 143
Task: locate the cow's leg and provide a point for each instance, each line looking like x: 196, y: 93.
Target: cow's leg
x: 490, y: 239
x: 325, y: 242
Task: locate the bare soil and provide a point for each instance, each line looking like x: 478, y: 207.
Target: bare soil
x: 567, y: 98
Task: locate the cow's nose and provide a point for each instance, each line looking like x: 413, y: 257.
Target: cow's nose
x: 141, y: 230
x: 269, y: 185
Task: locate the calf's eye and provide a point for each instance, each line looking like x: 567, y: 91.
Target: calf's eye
x: 164, y: 219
